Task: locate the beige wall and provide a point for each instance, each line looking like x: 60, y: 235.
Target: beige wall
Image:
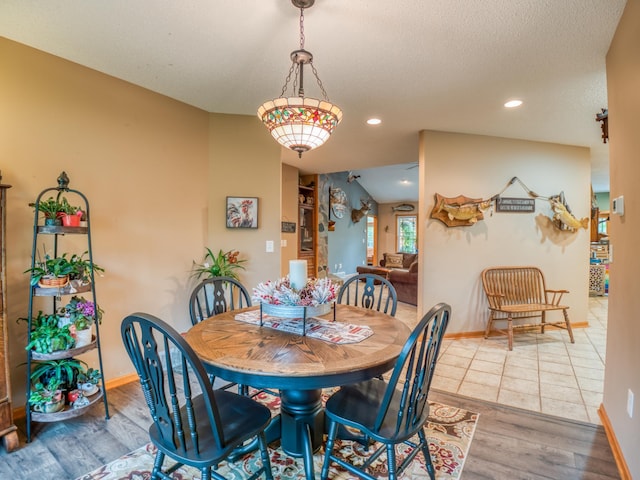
x: 156, y: 172
x: 623, y: 336
x: 139, y: 158
x: 245, y: 161
x: 477, y: 166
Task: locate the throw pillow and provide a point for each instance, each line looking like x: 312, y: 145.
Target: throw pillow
x: 393, y: 260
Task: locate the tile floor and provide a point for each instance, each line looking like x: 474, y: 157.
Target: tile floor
x: 544, y: 372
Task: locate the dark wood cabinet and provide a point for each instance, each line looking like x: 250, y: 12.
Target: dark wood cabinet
x: 7, y: 428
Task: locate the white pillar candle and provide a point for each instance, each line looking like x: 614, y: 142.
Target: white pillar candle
x: 297, y: 273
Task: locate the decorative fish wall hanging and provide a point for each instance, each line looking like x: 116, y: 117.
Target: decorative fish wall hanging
x: 459, y: 211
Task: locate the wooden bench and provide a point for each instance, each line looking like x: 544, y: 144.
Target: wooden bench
x: 516, y: 293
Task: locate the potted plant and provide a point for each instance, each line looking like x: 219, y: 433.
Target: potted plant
x: 88, y: 381
x: 46, y: 398
x: 47, y: 335
x: 51, y: 272
x: 69, y: 214
x: 50, y: 208
x: 64, y: 371
x: 80, y: 315
x: 82, y: 268
x: 224, y: 264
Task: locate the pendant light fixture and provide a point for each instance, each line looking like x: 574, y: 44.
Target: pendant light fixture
x: 300, y: 123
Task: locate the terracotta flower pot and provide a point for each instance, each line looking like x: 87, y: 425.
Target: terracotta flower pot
x: 71, y: 220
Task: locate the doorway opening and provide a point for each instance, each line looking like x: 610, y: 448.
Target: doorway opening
x: 372, y: 237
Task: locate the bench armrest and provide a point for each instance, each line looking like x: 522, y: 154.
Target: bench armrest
x: 495, y: 299
x: 556, y: 296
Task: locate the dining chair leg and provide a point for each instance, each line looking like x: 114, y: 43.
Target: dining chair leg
x: 157, y: 465
x: 331, y: 439
x: 427, y: 456
x: 264, y: 455
x: 391, y: 461
x: 206, y: 473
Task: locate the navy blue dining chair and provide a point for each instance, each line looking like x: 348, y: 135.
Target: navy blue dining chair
x: 391, y: 412
x: 369, y: 290
x: 192, y: 424
x: 217, y: 295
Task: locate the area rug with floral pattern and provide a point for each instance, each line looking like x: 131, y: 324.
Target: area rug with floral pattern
x: 449, y: 432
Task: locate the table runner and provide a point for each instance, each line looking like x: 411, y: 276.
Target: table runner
x: 332, y: 332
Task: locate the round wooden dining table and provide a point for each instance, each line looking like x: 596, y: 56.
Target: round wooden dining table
x: 297, y: 365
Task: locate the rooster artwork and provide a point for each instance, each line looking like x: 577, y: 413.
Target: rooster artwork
x: 242, y: 212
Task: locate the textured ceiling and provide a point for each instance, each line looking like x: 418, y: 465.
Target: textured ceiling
x: 416, y: 64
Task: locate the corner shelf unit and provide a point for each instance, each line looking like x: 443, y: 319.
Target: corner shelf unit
x: 53, y: 236
x: 307, y: 223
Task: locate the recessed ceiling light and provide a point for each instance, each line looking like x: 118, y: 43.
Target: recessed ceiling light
x: 374, y: 121
x: 513, y: 103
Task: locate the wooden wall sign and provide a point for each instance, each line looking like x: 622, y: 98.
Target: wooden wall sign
x: 288, y: 227
x: 518, y: 205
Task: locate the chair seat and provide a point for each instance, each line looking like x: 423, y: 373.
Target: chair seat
x: 358, y: 406
x: 243, y: 419
x: 528, y: 307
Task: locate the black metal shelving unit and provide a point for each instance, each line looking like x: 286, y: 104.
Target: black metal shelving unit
x: 53, y: 235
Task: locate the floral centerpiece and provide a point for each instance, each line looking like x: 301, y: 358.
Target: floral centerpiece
x: 281, y: 299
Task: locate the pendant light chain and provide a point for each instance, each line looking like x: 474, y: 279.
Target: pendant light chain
x: 301, y: 28
x: 315, y: 72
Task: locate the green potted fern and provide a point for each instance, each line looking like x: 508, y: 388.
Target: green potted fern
x: 50, y: 209
x: 224, y: 264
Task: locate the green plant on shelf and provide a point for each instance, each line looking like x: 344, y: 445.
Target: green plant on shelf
x: 42, y: 394
x: 77, y: 267
x: 47, y: 335
x: 50, y: 268
x: 81, y: 313
x: 82, y: 268
x: 64, y: 371
x: 49, y: 208
x: 92, y: 375
x: 67, y: 208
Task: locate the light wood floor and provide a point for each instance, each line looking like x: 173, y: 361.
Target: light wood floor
x: 508, y: 444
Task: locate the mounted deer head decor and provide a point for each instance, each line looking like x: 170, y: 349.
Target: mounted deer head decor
x: 356, y: 215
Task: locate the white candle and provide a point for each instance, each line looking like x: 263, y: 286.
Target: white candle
x: 298, y: 273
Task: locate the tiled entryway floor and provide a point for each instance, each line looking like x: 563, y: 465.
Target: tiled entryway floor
x: 544, y: 372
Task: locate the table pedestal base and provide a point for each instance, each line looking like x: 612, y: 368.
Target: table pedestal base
x: 302, y: 421
x: 299, y: 426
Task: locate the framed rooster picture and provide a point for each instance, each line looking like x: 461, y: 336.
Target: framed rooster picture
x: 242, y: 212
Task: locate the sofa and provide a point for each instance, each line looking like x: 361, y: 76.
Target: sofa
x: 401, y: 269
x: 406, y: 283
